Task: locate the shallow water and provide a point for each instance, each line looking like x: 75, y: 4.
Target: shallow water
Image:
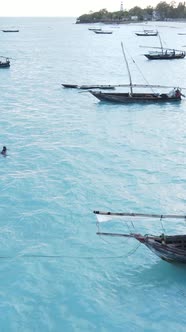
x: 68, y: 155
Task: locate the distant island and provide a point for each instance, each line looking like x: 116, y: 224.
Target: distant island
x: 162, y: 12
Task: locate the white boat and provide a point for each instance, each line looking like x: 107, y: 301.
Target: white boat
x: 147, y: 33
x: 95, y: 29
x: 103, y: 32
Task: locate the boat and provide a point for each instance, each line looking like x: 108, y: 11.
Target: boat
x: 11, y: 30
x: 164, y: 53
x: 95, y: 29
x: 120, y: 97
x: 171, y: 248
x: 131, y: 97
x: 168, y: 54
x: 103, y: 32
x: 4, y: 62
x: 147, y: 33
x: 87, y: 87
x: 71, y: 86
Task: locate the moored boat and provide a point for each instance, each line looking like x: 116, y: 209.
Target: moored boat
x: 4, y: 62
x: 95, y: 29
x: 71, y: 86
x: 103, y: 32
x: 164, y: 53
x: 10, y: 30
x: 120, y: 97
x: 171, y: 248
x: 132, y: 97
x: 147, y: 33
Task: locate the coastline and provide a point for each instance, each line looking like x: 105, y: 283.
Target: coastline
x: 130, y: 21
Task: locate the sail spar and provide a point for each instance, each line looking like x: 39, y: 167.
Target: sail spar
x: 108, y: 216
x: 128, y: 70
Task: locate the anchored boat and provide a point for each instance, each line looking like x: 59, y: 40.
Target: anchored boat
x: 171, y: 248
x: 10, y: 30
x: 131, y: 96
x: 4, y: 62
x: 95, y: 29
x: 164, y: 53
x: 103, y: 32
x: 147, y: 33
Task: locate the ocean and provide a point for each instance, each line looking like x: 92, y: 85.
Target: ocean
x: 68, y: 155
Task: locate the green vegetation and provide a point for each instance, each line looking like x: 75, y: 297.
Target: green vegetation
x: 163, y: 11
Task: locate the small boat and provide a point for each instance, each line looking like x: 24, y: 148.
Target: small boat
x: 147, y: 33
x: 131, y: 97
x: 171, y: 248
x: 164, y: 53
x: 103, y: 32
x: 71, y: 86
x: 4, y: 62
x: 87, y: 87
x: 95, y: 29
x: 13, y: 30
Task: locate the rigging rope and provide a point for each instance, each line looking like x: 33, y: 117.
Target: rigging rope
x: 126, y: 240
x: 163, y: 228
x: 76, y: 257
x: 71, y: 257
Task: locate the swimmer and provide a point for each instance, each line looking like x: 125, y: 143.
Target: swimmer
x: 3, y: 152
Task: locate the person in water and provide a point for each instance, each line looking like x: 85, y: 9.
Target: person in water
x: 4, y: 151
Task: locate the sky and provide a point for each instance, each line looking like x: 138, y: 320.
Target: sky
x: 73, y: 8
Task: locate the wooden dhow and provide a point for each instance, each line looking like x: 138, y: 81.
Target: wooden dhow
x: 132, y: 97
x: 163, y: 53
x: 4, y: 62
x: 171, y: 248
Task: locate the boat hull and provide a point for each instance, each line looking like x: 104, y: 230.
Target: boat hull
x: 103, y: 32
x: 168, y: 248
x: 146, y: 34
x: 10, y: 30
x: 5, y: 64
x: 164, y: 56
x: 135, y: 98
x: 95, y: 29
x: 70, y: 86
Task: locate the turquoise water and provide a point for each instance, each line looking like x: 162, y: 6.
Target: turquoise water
x: 68, y: 155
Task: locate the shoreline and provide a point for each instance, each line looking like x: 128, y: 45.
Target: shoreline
x: 132, y: 21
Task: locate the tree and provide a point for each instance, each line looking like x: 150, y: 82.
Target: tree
x: 163, y: 9
x: 136, y: 11
x: 181, y: 10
